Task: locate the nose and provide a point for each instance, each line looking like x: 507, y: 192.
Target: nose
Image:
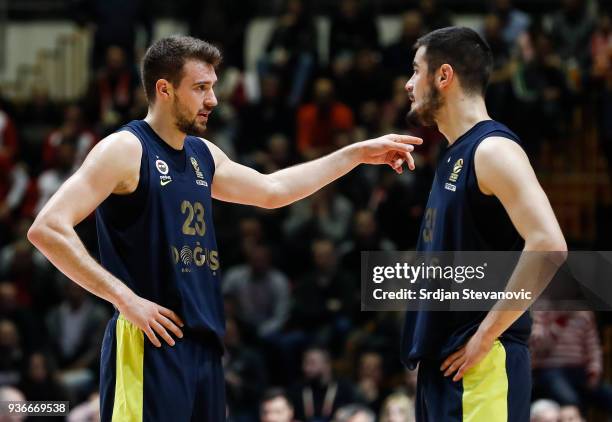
x: 409, y: 86
x: 211, y: 99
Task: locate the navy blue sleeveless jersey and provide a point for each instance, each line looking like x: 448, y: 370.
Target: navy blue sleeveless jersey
x: 159, y: 240
x: 459, y: 217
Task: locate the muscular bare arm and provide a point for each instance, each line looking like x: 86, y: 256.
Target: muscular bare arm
x: 503, y: 170
x: 237, y: 183
x: 111, y: 167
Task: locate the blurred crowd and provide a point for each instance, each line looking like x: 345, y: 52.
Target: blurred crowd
x: 297, y: 345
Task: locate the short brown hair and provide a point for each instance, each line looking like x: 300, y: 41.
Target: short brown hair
x: 463, y: 49
x: 165, y: 58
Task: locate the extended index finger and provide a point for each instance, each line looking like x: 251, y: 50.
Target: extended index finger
x: 405, y: 139
x: 397, y: 146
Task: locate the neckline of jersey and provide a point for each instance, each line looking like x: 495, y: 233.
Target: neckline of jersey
x: 163, y: 143
x: 470, y: 130
x: 178, y: 156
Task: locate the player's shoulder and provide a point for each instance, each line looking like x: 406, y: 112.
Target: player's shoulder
x: 120, y: 151
x: 121, y: 142
x: 497, y: 147
x: 499, y: 161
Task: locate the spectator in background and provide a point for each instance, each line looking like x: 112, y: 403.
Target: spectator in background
x: 499, y: 93
x: 244, y: 231
x: 370, y: 380
x: 11, y: 353
x: 51, y: 179
x: 14, y: 395
x: 394, y: 111
x: 221, y: 22
x: 570, y: 414
x: 73, y: 131
x: 365, y: 237
x: 24, y: 265
x: 324, y: 214
x: 88, y: 411
x: 544, y: 411
x: 291, y: 50
x: 245, y: 375
x: 409, y: 383
x: 24, y: 319
x: 40, y: 382
x: 319, y: 121
x: 276, y: 155
x: 397, y: 407
x: 434, y: 17
x: 399, y: 55
x: 111, y: 94
x: 572, y: 27
x: 354, y: 413
x: 402, y: 199
x: 75, y: 329
x: 353, y: 27
x: 261, y: 290
x: 113, y: 28
x: 8, y: 139
x: 264, y: 118
x: 540, y: 87
x: 319, y: 394
x: 324, y: 299
x: 14, y: 178
x: 601, y: 75
x: 372, y: 79
x: 513, y: 22
x: 567, y: 359
x: 14, y: 184
x: 275, y: 407
x: 35, y: 119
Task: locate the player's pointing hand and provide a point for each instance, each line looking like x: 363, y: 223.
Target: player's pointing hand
x: 392, y: 149
x: 152, y: 319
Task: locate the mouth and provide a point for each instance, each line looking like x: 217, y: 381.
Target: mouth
x: 204, y: 115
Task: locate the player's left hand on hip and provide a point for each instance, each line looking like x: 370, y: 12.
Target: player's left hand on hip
x: 392, y: 149
x: 468, y: 356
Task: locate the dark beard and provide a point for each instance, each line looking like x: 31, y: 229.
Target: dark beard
x: 426, y: 114
x: 183, y: 123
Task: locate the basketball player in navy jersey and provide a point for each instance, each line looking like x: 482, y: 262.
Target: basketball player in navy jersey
x: 151, y: 184
x: 473, y: 366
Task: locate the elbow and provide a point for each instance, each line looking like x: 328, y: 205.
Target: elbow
x: 272, y: 197
x: 553, y: 245
x: 270, y: 202
x: 41, y: 231
x: 36, y: 233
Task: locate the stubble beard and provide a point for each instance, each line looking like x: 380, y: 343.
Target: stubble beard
x: 425, y: 115
x: 188, y: 126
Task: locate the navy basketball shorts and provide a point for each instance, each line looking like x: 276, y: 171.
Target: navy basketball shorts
x: 498, y: 389
x: 140, y: 382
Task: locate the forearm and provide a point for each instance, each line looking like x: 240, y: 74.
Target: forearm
x: 62, y: 246
x: 534, y: 270
x: 297, y: 182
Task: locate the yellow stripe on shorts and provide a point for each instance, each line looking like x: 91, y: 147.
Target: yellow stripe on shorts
x: 129, y: 372
x: 485, y: 388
